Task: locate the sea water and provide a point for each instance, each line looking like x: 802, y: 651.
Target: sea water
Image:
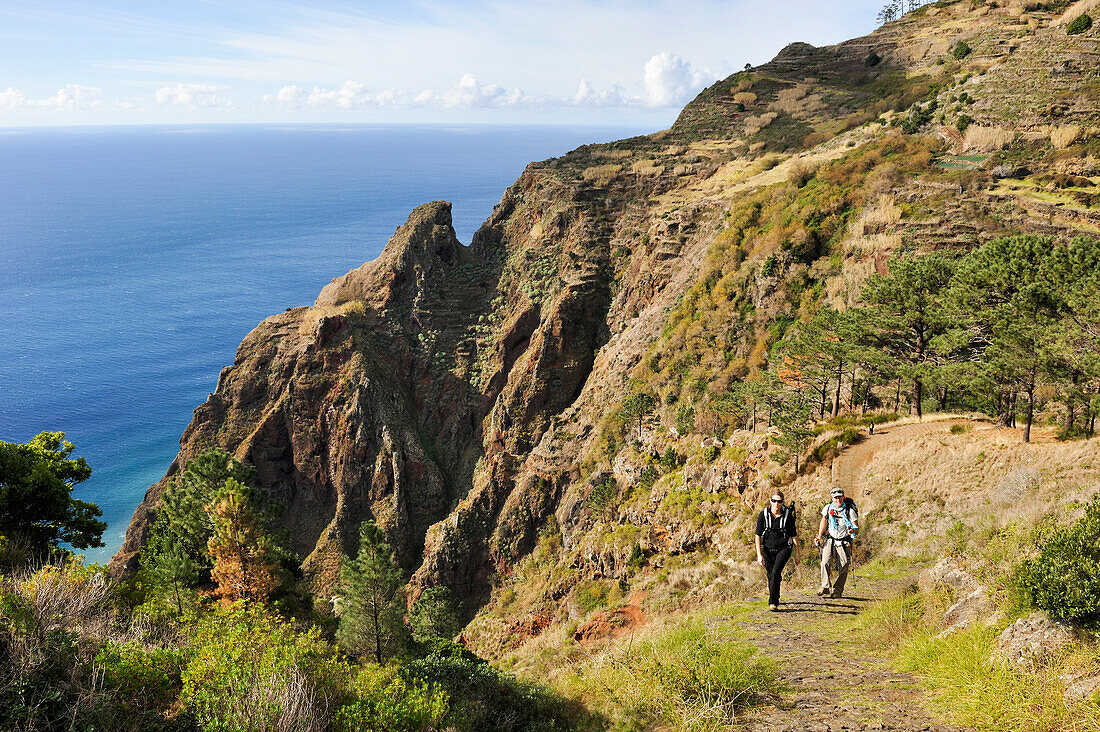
x: 134, y: 260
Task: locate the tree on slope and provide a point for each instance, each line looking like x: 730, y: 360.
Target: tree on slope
x: 1016, y: 309
x: 372, y: 598
x: 907, y: 309
x: 245, y: 560
x: 37, y: 510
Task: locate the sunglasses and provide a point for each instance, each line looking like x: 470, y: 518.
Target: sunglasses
x: 777, y: 500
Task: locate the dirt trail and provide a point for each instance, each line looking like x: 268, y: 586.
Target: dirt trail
x: 833, y: 684
x: 836, y: 682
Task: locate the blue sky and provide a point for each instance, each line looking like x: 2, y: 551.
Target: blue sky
x: 571, y: 61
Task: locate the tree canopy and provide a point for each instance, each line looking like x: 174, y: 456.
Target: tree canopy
x: 37, y: 509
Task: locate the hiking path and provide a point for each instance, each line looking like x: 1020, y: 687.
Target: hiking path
x: 835, y: 680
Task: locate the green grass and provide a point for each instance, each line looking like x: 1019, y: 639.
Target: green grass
x: 693, y: 676
x: 965, y: 683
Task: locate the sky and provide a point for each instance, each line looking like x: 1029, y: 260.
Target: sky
x: 620, y: 62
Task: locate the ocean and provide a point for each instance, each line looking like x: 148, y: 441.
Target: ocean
x: 134, y: 260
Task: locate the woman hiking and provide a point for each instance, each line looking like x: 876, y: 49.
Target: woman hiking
x: 775, y: 540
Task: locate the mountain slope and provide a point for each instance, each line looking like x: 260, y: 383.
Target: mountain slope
x: 469, y: 398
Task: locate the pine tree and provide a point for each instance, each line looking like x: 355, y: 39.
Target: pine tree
x: 372, y: 598
x: 435, y: 614
x: 171, y: 568
x: 907, y: 310
x: 243, y: 555
x: 183, y: 516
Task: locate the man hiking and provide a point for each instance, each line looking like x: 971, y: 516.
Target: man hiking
x: 840, y: 518
x: 775, y: 539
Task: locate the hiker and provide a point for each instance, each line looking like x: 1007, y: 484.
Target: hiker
x: 840, y: 518
x: 775, y: 540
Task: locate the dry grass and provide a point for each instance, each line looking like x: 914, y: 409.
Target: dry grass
x: 756, y: 123
x: 1078, y: 8
x: 795, y: 102
x: 601, y: 175
x: 986, y: 139
x: 878, y: 218
x: 746, y: 97
x: 1063, y: 136
x: 646, y: 167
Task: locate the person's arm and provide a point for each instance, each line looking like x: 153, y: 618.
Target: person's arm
x: 820, y: 530
x: 794, y: 536
x: 759, y: 552
x: 853, y: 518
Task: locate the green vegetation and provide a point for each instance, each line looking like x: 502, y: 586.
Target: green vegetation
x: 37, y: 510
x: 435, y: 614
x: 1064, y: 579
x: 1080, y: 24
x: 691, y: 676
x: 967, y: 683
x: 372, y: 599
x: 960, y: 50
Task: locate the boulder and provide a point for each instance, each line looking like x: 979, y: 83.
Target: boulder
x: 1034, y: 640
x: 970, y: 609
x: 948, y: 572
x: 1083, y: 689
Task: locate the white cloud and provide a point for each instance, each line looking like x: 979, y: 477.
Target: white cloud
x: 73, y: 97
x: 470, y: 93
x: 193, y: 96
x: 350, y: 94
x: 670, y: 81
x: 587, y: 96
x: 11, y: 99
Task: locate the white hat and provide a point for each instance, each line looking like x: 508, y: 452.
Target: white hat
x: 838, y: 491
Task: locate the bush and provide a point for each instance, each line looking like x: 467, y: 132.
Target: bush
x: 385, y: 701
x: 960, y: 51
x: 872, y: 59
x: 850, y: 436
x: 435, y: 614
x: 960, y: 429
x: 250, y: 671
x: 710, y: 453
x: 1080, y: 24
x: 482, y: 698
x: 964, y: 121
x: 139, y: 676
x: 1064, y: 580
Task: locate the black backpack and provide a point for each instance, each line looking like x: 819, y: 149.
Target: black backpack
x: 773, y: 523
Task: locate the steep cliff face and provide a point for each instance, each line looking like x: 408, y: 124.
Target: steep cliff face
x: 456, y: 394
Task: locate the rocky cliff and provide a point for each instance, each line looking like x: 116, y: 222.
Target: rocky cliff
x: 461, y: 395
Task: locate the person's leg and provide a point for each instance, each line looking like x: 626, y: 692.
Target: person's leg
x: 844, y: 563
x: 826, y: 555
x: 775, y: 574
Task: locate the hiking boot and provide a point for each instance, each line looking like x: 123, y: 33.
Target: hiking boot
x: 836, y: 595
x: 773, y: 608
x: 823, y: 592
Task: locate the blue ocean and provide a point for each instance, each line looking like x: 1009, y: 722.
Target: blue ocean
x: 134, y: 260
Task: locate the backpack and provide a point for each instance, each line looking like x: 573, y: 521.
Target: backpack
x: 777, y: 523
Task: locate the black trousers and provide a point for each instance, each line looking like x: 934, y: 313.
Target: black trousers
x: 774, y: 562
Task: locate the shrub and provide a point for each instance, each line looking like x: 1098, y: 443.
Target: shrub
x: 872, y: 59
x: 1080, y: 24
x: 143, y: 677
x: 964, y: 121
x: 850, y: 436
x: 385, y: 701
x: 960, y: 429
x: 960, y: 50
x: 1064, y: 580
x: 250, y: 671
x: 483, y: 698
x: 710, y: 453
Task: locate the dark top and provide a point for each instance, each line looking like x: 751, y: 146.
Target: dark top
x: 782, y: 529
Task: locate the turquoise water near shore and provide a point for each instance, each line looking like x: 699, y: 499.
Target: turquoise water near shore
x: 134, y: 260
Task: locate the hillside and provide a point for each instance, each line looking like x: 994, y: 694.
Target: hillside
x: 474, y: 400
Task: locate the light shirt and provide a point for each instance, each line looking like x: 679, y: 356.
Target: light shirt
x: 842, y: 521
